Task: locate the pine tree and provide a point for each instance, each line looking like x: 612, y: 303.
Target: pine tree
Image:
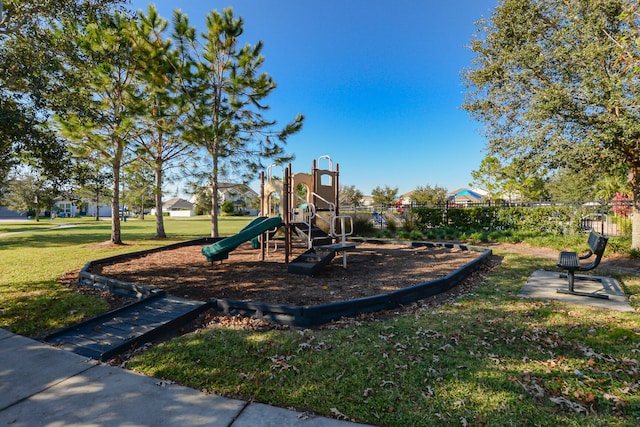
x: 227, y: 90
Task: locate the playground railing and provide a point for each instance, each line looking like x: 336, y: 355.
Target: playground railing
x: 341, y: 231
x: 332, y: 211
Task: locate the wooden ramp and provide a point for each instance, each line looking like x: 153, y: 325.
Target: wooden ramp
x: 115, y: 332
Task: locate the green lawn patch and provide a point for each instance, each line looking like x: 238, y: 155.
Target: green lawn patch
x: 489, y: 358
x: 33, y: 304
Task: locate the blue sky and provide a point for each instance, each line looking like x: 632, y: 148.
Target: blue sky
x: 377, y: 80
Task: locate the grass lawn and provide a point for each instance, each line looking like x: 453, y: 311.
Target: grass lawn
x: 488, y: 358
x: 32, y: 303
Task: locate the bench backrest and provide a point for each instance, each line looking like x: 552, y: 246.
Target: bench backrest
x: 597, y: 244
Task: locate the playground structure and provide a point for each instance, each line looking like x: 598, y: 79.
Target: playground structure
x: 306, y: 207
x: 302, y: 204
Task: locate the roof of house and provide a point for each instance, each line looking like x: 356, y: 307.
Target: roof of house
x: 177, y: 203
x: 407, y: 195
x: 241, y: 188
x: 467, y: 194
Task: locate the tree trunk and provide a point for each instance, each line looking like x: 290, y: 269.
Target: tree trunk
x: 97, y: 205
x: 116, y: 237
x: 37, y: 209
x: 214, y: 198
x: 160, y: 233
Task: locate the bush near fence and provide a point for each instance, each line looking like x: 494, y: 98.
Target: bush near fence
x: 547, y: 217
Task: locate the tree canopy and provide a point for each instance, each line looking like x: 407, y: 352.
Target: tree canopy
x: 36, y: 47
x: 111, y: 102
x: 553, y: 82
x: 350, y: 196
x: 227, y: 92
x: 384, y: 195
x: 125, y: 94
x: 427, y: 195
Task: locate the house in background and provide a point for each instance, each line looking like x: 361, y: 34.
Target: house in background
x: 466, y: 197
x: 241, y: 195
x: 238, y: 194
x: 405, y: 199
x: 6, y: 213
x: 366, y: 201
x: 177, y: 207
x: 68, y: 209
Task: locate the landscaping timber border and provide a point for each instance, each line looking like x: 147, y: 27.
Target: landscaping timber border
x: 300, y: 315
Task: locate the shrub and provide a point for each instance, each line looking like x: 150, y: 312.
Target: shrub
x: 391, y: 225
x: 477, y: 236
x: 622, y: 205
x: 478, y: 218
x: 618, y: 244
x: 403, y: 234
x: 227, y: 208
x: 416, y: 235
x: 623, y: 224
x: 429, y: 217
x: 362, y: 225
x: 410, y: 221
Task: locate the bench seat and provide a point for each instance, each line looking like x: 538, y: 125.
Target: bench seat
x: 570, y: 261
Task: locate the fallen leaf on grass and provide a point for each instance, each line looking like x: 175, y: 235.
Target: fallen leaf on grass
x: 339, y: 415
x: 280, y: 363
x: 446, y: 347
x: 589, y: 352
x: 563, y: 401
x: 428, y: 393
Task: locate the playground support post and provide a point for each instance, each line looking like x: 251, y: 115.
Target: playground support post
x: 314, y: 188
x: 287, y: 213
x: 336, y: 189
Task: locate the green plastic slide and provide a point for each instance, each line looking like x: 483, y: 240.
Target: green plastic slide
x: 220, y: 250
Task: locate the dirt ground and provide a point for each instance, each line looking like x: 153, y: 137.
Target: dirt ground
x: 371, y: 270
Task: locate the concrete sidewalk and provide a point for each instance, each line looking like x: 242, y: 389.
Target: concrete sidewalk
x: 42, y: 385
x: 544, y: 285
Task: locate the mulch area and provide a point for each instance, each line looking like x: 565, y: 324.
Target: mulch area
x: 371, y: 270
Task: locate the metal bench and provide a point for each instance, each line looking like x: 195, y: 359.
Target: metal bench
x: 571, y: 262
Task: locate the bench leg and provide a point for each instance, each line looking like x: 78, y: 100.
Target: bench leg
x: 571, y: 276
x: 581, y: 277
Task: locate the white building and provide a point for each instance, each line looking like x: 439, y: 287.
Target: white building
x: 177, y: 207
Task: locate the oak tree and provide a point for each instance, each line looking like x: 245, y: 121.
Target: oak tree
x: 552, y: 83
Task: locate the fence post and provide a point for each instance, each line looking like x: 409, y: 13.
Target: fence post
x: 602, y: 216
